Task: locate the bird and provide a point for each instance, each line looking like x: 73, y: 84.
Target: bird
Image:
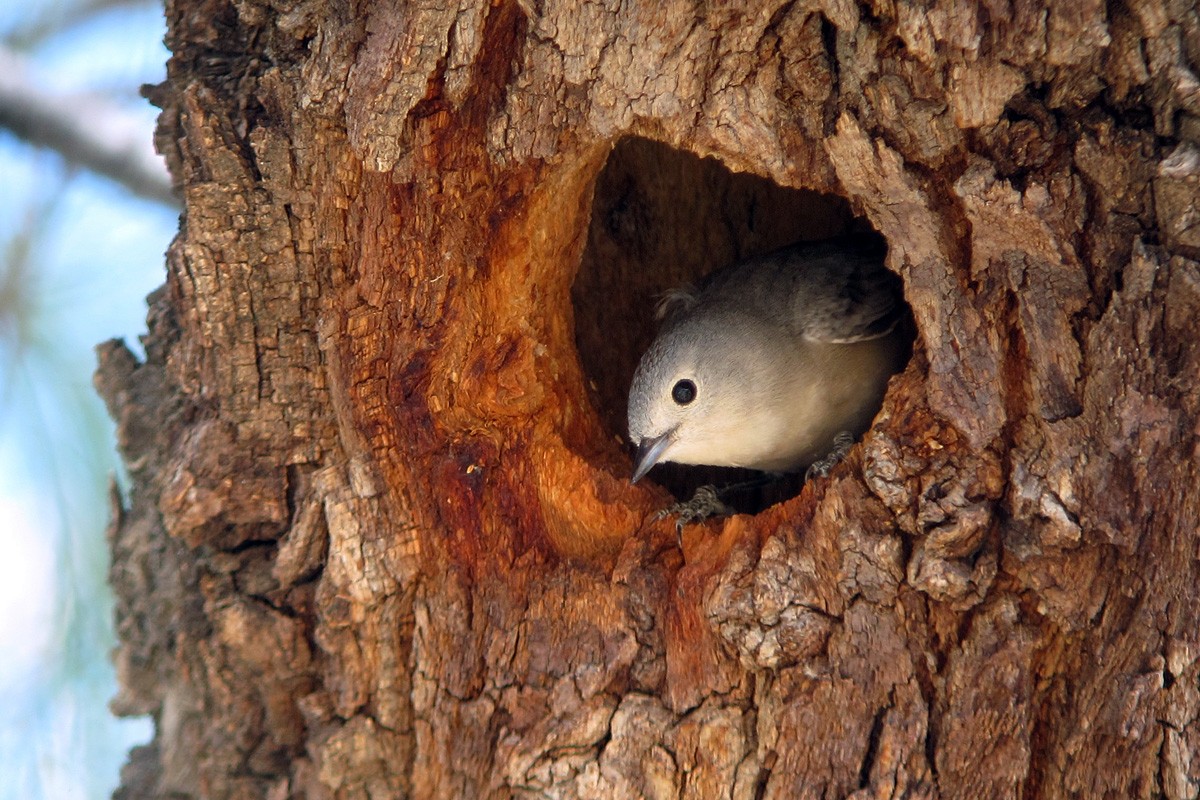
x: 775, y: 363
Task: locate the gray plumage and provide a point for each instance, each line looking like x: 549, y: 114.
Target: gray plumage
x: 783, y: 352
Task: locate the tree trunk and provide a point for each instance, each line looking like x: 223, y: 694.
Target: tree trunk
x: 381, y: 541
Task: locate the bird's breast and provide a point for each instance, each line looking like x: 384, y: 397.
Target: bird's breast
x: 792, y: 416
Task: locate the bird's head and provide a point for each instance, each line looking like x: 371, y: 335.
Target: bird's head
x: 695, y: 396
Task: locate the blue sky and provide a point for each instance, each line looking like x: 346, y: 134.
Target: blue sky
x: 88, y: 253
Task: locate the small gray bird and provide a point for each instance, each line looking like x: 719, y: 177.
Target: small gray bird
x: 770, y: 360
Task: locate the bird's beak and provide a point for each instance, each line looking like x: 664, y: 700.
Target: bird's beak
x: 649, y: 450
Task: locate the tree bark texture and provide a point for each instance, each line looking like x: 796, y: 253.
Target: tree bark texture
x: 381, y: 542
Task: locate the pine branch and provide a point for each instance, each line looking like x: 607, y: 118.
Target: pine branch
x: 87, y: 130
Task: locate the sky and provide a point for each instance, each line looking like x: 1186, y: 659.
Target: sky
x: 78, y: 255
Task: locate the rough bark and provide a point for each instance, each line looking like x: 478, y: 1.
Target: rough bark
x: 381, y: 541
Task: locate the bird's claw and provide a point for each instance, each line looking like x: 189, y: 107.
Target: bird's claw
x: 841, y: 446
x: 704, y: 504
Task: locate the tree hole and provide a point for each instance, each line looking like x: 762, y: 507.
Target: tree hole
x: 664, y: 218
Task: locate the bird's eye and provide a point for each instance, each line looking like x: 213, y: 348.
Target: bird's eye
x: 684, y: 392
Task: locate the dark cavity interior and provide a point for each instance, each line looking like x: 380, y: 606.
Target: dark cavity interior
x: 662, y: 218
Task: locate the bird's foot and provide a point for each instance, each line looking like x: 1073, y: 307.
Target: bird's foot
x: 704, y: 504
x: 841, y: 446
x: 708, y: 501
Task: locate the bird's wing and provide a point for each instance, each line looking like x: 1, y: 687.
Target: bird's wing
x: 841, y: 292
x: 836, y: 291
